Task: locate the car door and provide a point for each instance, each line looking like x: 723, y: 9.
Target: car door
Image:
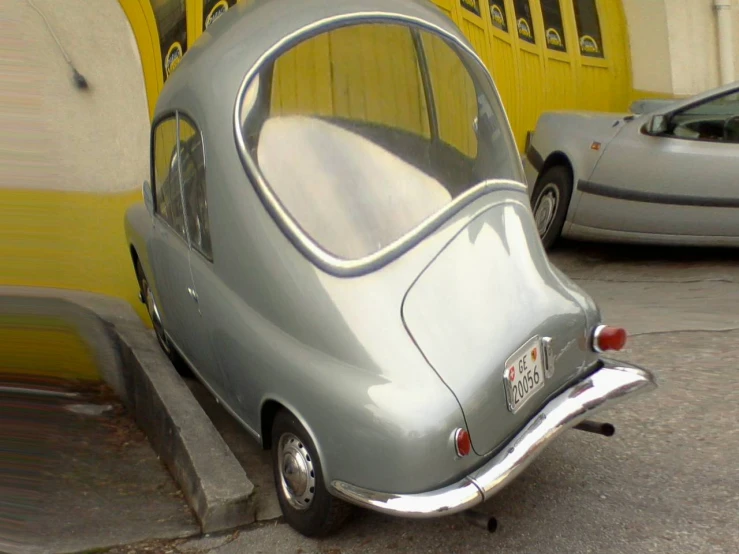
x: 194, y: 193
x: 169, y: 249
x: 170, y: 253
x: 679, y: 181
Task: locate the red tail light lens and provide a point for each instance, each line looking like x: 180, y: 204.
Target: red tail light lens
x: 608, y: 338
x: 462, y: 442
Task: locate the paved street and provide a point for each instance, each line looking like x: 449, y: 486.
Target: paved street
x: 668, y: 482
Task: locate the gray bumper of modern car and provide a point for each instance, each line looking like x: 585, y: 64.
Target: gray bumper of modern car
x: 607, y: 386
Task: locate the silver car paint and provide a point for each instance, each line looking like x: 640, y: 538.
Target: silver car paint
x: 331, y: 349
x: 631, y: 162
x: 499, y: 289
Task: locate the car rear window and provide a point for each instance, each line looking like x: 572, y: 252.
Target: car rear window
x: 365, y: 132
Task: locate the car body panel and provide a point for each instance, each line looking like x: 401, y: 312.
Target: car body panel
x: 662, y: 185
x: 641, y: 188
x: 483, y: 297
x: 276, y: 328
x: 570, y: 136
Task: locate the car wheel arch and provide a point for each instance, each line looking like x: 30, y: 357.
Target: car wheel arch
x: 136, y: 262
x: 268, y: 411
x: 558, y: 158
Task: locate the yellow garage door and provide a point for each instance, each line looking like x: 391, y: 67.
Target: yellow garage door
x: 543, y: 54
x: 549, y: 54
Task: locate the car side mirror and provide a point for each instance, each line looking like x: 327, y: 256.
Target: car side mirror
x: 657, y: 124
x: 148, y: 197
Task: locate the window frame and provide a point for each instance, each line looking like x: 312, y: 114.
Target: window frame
x: 565, y: 46
x: 504, y: 13
x: 600, y: 60
x: 523, y: 41
x: 162, y: 118
x: 302, y: 241
x: 681, y: 111
x: 168, y: 115
x: 183, y: 115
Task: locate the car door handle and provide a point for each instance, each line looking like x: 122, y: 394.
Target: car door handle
x: 192, y: 293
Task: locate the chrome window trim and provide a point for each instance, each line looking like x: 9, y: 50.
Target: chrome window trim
x: 293, y: 231
x: 168, y: 115
x: 190, y: 120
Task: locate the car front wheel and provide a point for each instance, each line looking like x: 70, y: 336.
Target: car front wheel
x: 550, y: 202
x: 306, y: 504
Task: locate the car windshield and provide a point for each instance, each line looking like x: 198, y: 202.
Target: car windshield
x: 365, y: 132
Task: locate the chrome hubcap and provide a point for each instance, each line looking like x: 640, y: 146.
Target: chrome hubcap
x: 545, y: 208
x: 297, y: 474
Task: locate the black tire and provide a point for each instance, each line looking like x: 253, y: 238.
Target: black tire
x: 554, y: 186
x: 323, y: 513
x: 171, y: 353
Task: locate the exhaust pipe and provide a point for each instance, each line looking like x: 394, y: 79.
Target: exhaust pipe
x: 479, y: 519
x: 605, y: 429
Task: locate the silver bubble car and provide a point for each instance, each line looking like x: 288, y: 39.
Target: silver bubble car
x: 338, y: 241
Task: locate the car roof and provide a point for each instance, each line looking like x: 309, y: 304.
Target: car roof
x: 214, y: 68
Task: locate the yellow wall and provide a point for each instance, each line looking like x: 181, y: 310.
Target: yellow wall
x: 69, y: 240
x: 39, y: 346
x: 531, y: 77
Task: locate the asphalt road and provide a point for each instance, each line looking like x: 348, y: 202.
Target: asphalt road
x: 667, y: 482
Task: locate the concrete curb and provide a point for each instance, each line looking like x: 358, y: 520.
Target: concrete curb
x: 212, y: 480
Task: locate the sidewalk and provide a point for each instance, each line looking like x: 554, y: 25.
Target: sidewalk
x: 78, y: 473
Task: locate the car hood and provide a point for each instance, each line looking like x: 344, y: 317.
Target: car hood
x: 487, y: 293
x: 578, y: 126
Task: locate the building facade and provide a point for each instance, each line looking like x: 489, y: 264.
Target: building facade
x: 74, y: 157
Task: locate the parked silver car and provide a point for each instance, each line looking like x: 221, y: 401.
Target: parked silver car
x: 337, y: 240
x: 667, y: 174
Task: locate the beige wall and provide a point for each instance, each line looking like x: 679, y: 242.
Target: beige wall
x: 650, y: 46
x: 52, y: 135
x: 674, y: 45
x: 736, y: 39
x: 694, y: 46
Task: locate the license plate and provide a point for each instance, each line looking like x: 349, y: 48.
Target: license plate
x: 524, y: 374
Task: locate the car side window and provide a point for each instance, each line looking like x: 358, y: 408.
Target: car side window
x: 192, y: 170
x: 715, y: 120
x: 167, y: 192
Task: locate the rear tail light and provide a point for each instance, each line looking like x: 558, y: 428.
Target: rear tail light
x: 462, y: 443
x: 608, y: 338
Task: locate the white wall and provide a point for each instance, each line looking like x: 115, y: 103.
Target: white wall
x: 694, y: 46
x: 52, y: 135
x: 674, y: 45
x: 650, y: 46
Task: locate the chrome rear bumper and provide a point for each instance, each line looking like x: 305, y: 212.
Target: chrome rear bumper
x: 607, y: 386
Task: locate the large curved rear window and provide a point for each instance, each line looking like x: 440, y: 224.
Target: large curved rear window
x: 365, y: 132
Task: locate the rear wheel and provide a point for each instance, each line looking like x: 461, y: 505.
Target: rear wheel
x: 306, y: 504
x: 550, y: 202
